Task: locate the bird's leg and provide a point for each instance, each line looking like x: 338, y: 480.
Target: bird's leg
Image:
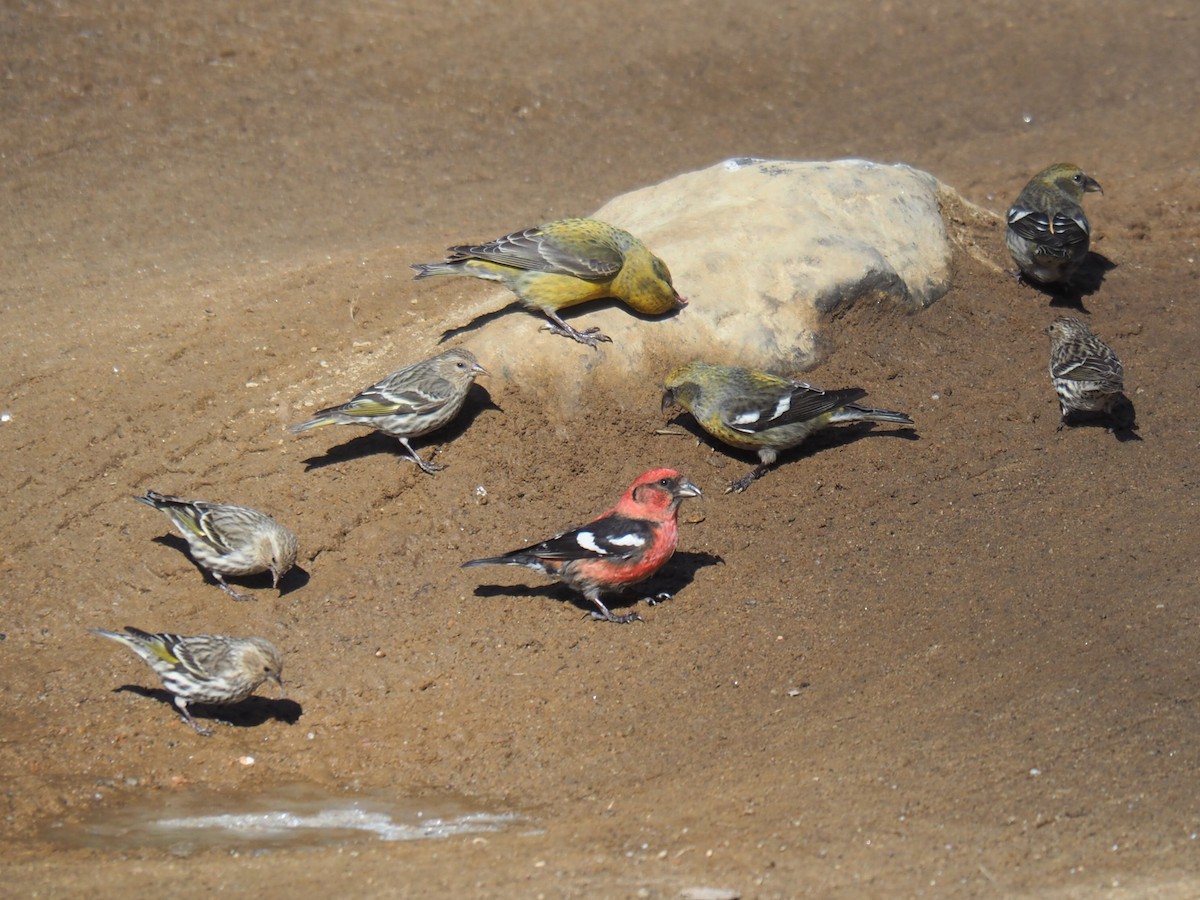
x: 429, y: 467
x: 591, y: 336
x: 201, y: 730
x: 607, y: 616
x: 236, y: 595
x: 736, y: 487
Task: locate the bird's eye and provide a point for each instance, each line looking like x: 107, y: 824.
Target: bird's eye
x: 665, y: 482
x: 1078, y: 179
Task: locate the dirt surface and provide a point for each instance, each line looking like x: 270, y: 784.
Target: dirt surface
x: 958, y: 664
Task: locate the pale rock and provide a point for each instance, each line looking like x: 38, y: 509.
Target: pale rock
x: 764, y: 251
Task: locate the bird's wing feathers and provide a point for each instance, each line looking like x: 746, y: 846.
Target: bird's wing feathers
x: 801, y: 403
x: 199, y: 519
x: 609, y: 537
x: 1056, y: 234
x: 535, y: 250
x: 199, y: 657
x: 401, y: 393
x: 1098, y: 369
x: 370, y: 404
x: 169, y: 648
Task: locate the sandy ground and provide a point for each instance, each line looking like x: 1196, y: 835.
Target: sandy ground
x: 958, y: 664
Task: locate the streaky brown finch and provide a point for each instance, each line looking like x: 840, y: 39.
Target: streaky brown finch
x: 413, y: 401
x: 229, y: 540
x: 1086, y: 373
x: 204, y: 668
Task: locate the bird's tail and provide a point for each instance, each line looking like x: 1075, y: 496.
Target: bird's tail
x: 518, y: 558
x: 428, y: 270
x: 493, y: 561
x: 852, y: 412
x: 162, y: 501
x: 321, y: 418
x: 111, y: 635
x: 133, y: 638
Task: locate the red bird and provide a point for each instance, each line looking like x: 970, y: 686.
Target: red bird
x: 627, y: 544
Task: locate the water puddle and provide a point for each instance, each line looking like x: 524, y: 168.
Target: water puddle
x: 287, y: 817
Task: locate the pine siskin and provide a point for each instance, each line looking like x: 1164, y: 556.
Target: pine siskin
x: 1086, y: 374
x: 410, y: 402
x: 563, y: 263
x: 204, y: 668
x: 225, y: 539
x: 616, y: 550
x: 763, y: 412
x: 1048, y: 235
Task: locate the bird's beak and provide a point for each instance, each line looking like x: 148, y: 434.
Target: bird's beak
x: 1091, y: 185
x: 274, y: 578
x: 279, y: 681
x: 687, y: 489
x: 480, y: 370
x: 668, y: 401
x: 680, y: 300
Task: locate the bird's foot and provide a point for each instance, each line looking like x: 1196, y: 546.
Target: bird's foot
x: 236, y: 595
x: 427, y: 466
x: 607, y: 616
x: 590, y: 336
x: 736, y: 487
x: 202, y: 730
x: 660, y: 597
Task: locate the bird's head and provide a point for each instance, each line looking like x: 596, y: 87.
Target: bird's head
x: 458, y: 366
x: 1066, y: 328
x: 658, y: 490
x: 280, y: 550
x: 663, y: 275
x: 1071, y: 180
x: 261, y: 661
x: 683, y: 387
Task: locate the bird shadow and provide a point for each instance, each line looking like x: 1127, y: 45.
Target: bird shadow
x: 590, y: 306
x: 823, y: 440
x: 1087, y: 280
x: 673, y: 578
x: 480, y: 321
x: 374, y: 442
x: 849, y: 434
x: 1121, y: 422
x: 249, y: 713
x: 295, y: 578
x: 678, y: 573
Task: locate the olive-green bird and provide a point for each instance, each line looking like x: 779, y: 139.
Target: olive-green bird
x: 1048, y: 235
x: 563, y: 263
x: 763, y: 412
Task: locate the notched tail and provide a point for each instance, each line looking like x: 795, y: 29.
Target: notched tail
x: 315, y: 422
x: 489, y: 561
x: 855, y: 413
x: 428, y: 270
x: 160, y: 501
